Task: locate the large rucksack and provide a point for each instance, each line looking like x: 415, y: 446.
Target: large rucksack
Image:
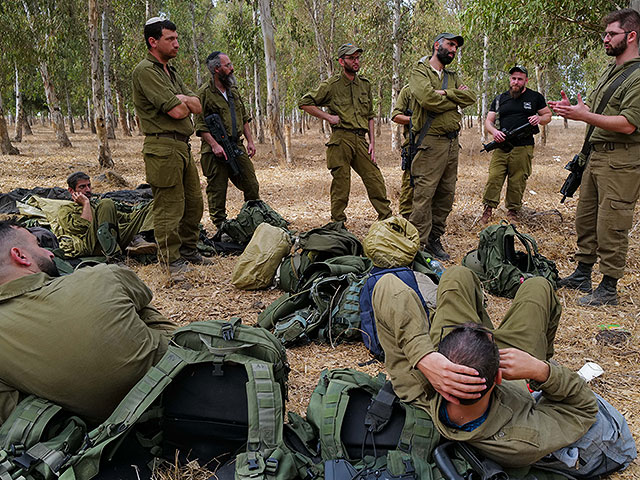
x: 252, y: 214
x: 367, y: 318
x: 360, y: 420
x: 39, y: 441
x: 500, y: 267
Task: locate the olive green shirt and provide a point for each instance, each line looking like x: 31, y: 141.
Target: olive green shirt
x: 154, y: 94
x: 517, y: 431
x: 81, y: 341
x: 403, y: 103
x: 625, y: 101
x: 349, y: 100
x: 423, y: 83
x: 213, y: 101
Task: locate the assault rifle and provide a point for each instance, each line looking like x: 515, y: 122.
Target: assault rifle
x: 484, y: 468
x: 216, y: 128
x: 510, y: 135
x: 572, y: 182
x: 408, y: 152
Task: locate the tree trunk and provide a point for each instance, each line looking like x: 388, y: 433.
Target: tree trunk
x: 19, y: 112
x: 104, y: 154
x: 122, y: 111
x: 257, y: 87
x: 196, y: 55
x: 379, y: 119
x: 25, y: 123
x: 273, y: 96
x: 5, y: 142
x: 92, y: 124
x: 57, y: 119
x: 72, y: 128
x: 287, y: 130
x: 106, y: 67
x: 541, y: 88
x: 485, y: 87
x: 396, y: 130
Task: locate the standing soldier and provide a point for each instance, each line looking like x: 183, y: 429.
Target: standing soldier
x: 401, y: 115
x: 350, y: 113
x: 516, y: 107
x: 439, y: 95
x: 611, y: 180
x: 220, y: 96
x: 164, y: 105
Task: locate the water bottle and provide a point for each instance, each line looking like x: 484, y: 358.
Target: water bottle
x: 436, y: 266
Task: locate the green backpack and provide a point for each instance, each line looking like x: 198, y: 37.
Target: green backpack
x: 39, y: 441
x: 336, y: 421
x: 252, y: 214
x: 501, y: 268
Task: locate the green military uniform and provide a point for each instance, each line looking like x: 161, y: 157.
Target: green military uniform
x: 404, y: 103
x: 348, y: 148
x: 81, y: 341
x: 611, y: 181
x: 170, y: 169
x: 215, y: 168
x: 435, y: 167
x: 517, y: 431
x: 78, y: 236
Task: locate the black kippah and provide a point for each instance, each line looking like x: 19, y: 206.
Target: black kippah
x: 213, y: 55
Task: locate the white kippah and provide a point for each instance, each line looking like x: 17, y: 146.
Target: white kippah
x: 153, y: 20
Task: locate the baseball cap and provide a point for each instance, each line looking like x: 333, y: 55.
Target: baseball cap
x: 519, y: 68
x: 348, y: 49
x: 450, y: 36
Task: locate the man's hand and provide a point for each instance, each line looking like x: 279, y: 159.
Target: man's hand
x: 451, y: 380
x: 79, y: 198
x: 499, y: 136
x: 564, y: 101
x: 579, y: 111
x: 333, y: 119
x: 518, y: 365
x: 251, y: 149
x: 441, y: 92
x: 372, y: 153
x: 534, y: 120
x: 463, y: 87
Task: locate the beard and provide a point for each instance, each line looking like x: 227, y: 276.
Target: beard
x: 614, y: 51
x: 48, y: 266
x: 228, y: 80
x: 444, y: 55
x: 515, y: 92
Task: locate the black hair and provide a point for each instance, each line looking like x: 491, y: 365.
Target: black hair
x: 74, y: 178
x: 628, y: 18
x: 155, y: 30
x: 213, y: 61
x: 472, y: 345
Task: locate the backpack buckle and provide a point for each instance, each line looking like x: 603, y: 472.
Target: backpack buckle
x: 227, y: 332
x: 271, y: 465
x: 252, y: 461
x: 217, y: 367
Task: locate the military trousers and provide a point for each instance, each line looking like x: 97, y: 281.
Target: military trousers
x: 529, y: 325
x: 515, y: 166
x: 406, y: 195
x: 348, y: 149
x: 218, y: 176
x: 177, y: 198
x: 126, y: 226
x: 608, y: 195
x: 435, y: 171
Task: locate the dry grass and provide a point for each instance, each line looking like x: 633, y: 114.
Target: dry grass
x: 301, y: 194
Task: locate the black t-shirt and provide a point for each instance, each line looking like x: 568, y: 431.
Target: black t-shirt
x: 514, y: 112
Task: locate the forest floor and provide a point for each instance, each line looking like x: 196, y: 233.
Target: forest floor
x: 300, y: 192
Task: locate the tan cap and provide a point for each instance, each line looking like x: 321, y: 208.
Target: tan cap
x: 348, y: 49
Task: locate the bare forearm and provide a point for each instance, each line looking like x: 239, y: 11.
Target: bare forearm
x: 247, y: 132
x: 401, y: 119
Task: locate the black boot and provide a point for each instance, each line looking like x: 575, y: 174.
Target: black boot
x: 605, y: 294
x: 580, y: 279
x: 434, y: 247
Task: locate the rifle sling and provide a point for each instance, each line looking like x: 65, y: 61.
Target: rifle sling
x: 586, y: 147
x: 431, y: 116
x: 232, y: 110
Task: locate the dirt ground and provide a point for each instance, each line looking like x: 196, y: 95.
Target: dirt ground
x: 300, y: 193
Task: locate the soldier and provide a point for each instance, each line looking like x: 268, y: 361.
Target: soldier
x: 221, y: 96
x: 439, y: 95
x: 164, y: 105
x: 80, y: 224
x: 516, y: 107
x: 611, y: 180
x: 401, y: 115
x: 350, y: 114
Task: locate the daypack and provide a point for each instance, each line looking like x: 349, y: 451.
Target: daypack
x: 392, y: 243
x: 256, y: 266
x: 367, y: 318
x: 360, y: 420
x: 252, y: 214
x: 39, y: 441
x: 501, y: 268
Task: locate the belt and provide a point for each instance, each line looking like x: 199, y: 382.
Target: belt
x: 174, y: 135
x: 610, y: 146
x: 449, y: 135
x: 358, y: 131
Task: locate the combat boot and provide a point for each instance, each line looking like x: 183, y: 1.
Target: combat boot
x: 605, y: 294
x: 434, y: 247
x: 580, y: 279
x: 486, y: 215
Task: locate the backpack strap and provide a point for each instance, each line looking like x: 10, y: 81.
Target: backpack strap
x: 380, y: 409
x: 334, y: 406
x: 30, y: 418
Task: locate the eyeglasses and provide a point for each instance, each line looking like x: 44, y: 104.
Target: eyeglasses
x: 475, y: 327
x: 604, y: 35
x: 352, y: 57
